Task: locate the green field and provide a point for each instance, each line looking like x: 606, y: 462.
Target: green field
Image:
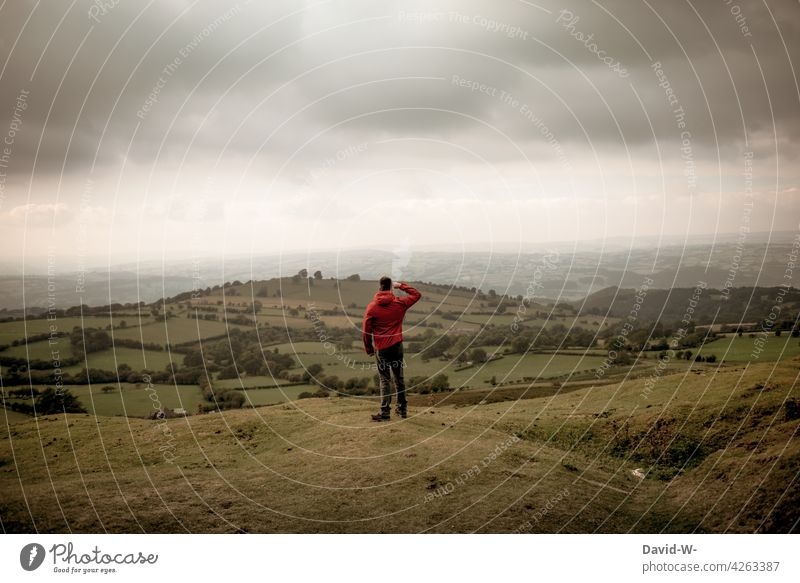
x: 41, y: 350
x: 135, y: 400
x: 180, y: 330
x: 450, y: 326
x: 261, y: 397
x: 135, y: 358
x: 352, y: 363
x: 297, y: 347
x: 735, y: 348
x: 513, y: 368
x: 249, y: 382
x: 108, y: 359
x: 10, y: 331
x: 282, y: 322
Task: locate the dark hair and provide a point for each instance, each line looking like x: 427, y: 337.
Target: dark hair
x: 385, y: 283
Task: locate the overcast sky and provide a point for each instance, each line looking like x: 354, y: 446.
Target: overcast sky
x: 179, y: 128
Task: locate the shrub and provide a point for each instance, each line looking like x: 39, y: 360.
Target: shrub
x: 791, y: 410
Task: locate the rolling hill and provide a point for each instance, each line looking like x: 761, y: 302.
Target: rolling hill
x: 718, y: 450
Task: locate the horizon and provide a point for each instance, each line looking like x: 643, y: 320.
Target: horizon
x: 37, y: 264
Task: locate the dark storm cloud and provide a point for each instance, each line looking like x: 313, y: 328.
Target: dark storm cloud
x: 239, y: 80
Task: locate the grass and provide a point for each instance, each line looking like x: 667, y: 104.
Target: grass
x: 180, y: 330
x: 298, y: 347
x: 10, y: 417
x: 735, y: 348
x: 10, y: 331
x: 41, y: 350
x: 356, y: 364
x: 135, y: 400
x: 280, y: 321
x: 261, y: 397
x: 249, y: 382
x: 137, y: 359
x: 319, y: 465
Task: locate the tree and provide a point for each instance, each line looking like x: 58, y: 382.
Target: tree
x: 439, y: 383
x: 330, y: 382
x: 232, y: 399
x: 519, y: 345
x: 437, y: 349
x: 312, y: 371
x: 354, y: 277
x: 228, y: 372
x: 51, y: 401
x: 193, y: 358
x: 318, y: 274
x: 477, y: 355
x: 459, y: 349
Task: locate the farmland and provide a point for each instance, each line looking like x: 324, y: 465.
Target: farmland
x: 275, y: 340
x: 746, y: 348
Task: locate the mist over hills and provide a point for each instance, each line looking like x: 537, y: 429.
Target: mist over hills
x: 568, y: 272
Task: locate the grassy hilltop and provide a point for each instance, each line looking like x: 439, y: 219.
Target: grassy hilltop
x: 718, y: 452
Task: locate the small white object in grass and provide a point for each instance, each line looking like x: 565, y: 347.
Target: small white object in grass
x: 638, y: 473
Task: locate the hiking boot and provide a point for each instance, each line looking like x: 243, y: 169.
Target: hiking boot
x: 381, y: 417
x: 402, y: 413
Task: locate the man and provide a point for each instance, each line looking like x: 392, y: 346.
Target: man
x: 383, y: 335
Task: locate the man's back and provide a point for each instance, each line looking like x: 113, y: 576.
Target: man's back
x: 383, y: 318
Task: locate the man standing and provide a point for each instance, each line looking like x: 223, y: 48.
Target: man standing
x: 383, y: 334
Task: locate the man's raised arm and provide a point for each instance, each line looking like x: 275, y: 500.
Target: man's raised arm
x: 412, y: 297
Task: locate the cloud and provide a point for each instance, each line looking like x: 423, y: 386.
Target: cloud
x: 495, y: 94
x: 37, y: 214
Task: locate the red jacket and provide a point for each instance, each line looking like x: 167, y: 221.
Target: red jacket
x: 383, y: 318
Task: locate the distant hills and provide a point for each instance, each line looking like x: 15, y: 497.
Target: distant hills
x: 708, y: 306
x: 559, y: 273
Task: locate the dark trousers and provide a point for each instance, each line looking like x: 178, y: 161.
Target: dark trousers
x: 390, y: 362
